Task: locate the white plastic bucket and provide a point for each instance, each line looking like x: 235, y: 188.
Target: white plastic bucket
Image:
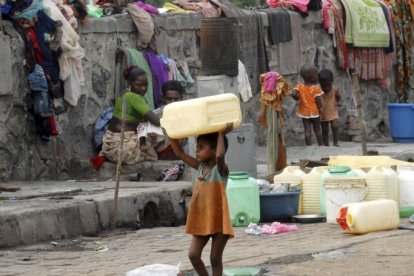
x: 342, y: 191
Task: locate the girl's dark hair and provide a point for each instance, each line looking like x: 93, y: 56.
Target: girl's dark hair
x: 308, y: 72
x: 325, y: 76
x: 211, y: 138
x: 172, y: 85
x: 132, y: 73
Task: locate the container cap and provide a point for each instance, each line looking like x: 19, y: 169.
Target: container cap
x: 339, y: 169
x: 239, y: 175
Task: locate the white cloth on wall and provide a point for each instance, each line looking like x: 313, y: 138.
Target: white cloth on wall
x: 243, y: 82
x: 70, y: 61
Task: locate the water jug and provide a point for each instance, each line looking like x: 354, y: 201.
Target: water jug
x: 369, y: 216
x: 200, y: 116
x: 406, y: 182
x: 340, y: 191
x: 311, y: 190
x: 333, y: 172
x: 382, y: 183
x: 244, y: 200
x: 292, y: 175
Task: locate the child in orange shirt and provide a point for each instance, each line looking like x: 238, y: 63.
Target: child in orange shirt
x: 330, y: 102
x: 310, y: 106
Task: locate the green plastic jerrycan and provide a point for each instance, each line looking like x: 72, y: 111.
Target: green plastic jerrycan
x: 333, y: 172
x: 243, y: 198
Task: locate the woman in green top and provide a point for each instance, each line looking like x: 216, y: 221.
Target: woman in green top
x: 137, y: 111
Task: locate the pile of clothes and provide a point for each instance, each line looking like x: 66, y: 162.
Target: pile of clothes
x: 53, y: 55
x: 364, y: 34
x: 274, y: 228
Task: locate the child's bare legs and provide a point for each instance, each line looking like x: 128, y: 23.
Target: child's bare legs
x: 216, y: 258
x: 325, y: 132
x: 335, y: 132
x: 194, y: 254
x: 316, y: 123
x: 308, y: 131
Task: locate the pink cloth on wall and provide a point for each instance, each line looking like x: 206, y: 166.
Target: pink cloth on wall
x: 301, y: 5
x: 270, y: 81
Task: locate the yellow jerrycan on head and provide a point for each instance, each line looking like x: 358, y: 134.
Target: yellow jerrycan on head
x: 200, y: 116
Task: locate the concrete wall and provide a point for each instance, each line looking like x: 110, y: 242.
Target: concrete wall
x: 23, y: 156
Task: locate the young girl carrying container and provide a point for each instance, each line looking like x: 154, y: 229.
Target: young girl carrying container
x: 208, y: 216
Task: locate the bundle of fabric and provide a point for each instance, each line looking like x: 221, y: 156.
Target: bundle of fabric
x: 271, y: 115
x: 300, y: 5
x: 371, y: 63
x: 403, y: 17
x: 366, y: 25
x: 280, y: 29
x: 207, y: 8
x: 145, y: 26
x: 179, y: 70
x: 171, y: 174
x: 159, y: 72
x: 252, y: 41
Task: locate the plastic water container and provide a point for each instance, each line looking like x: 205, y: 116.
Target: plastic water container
x: 243, y: 197
x: 340, y: 191
x: 311, y: 189
x: 333, y: 172
x: 369, y: 216
x: 406, y: 181
x: 382, y: 183
x: 401, y: 114
x: 292, y: 175
x: 200, y: 116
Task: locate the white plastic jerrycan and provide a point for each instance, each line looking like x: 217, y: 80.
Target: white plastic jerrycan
x: 200, y: 116
x: 406, y: 181
x: 369, y: 216
x: 292, y: 175
x: 311, y: 190
x: 382, y: 183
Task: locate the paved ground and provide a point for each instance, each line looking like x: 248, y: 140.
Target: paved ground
x: 315, y: 249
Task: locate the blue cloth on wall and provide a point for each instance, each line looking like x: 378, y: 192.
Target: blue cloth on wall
x: 101, y: 126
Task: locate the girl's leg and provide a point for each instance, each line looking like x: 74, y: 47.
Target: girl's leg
x: 316, y: 123
x: 325, y: 132
x: 335, y: 132
x: 194, y: 254
x: 308, y: 131
x: 216, y: 258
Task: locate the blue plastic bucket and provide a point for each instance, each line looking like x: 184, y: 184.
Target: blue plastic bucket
x: 402, y: 122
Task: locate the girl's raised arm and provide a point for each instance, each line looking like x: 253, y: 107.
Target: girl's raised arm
x: 178, y: 150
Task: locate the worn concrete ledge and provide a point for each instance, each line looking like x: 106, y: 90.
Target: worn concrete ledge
x: 149, y: 170
x: 87, y: 210
x: 123, y: 23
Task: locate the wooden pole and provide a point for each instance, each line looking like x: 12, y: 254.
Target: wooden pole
x: 356, y: 93
x: 118, y: 166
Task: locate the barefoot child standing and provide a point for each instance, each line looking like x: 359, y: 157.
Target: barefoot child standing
x: 330, y: 102
x: 310, y: 106
x: 208, y: 216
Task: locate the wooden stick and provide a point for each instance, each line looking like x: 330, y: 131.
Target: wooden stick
x: 356, y: 93
x: 118, y: 166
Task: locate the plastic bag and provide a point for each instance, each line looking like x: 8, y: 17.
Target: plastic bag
x: 94, y: 11
x: 155, y: 270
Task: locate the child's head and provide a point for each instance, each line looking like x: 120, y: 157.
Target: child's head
x: 207, y: 145
x: 326, y: 80
x: 172, y: 91
x: 309, y: 73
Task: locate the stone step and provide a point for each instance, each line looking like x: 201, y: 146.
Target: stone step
x: 87, y: 212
